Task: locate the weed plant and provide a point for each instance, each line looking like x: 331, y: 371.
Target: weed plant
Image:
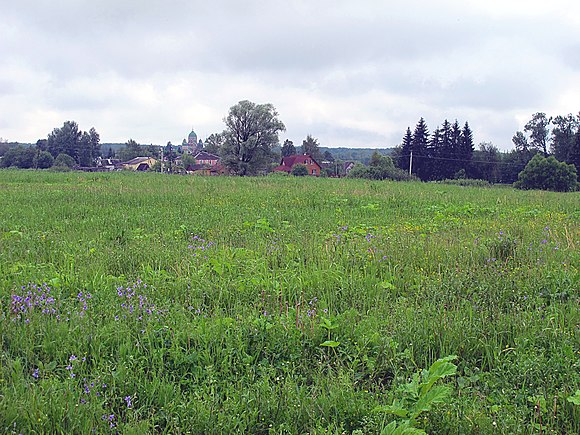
x: 147, y: 303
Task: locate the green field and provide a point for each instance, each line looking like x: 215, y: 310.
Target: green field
x: 148, y: 303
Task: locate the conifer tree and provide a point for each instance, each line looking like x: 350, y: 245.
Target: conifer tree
x: 466, y: 147
x: 419, y: 147
x: 403, y: 158
x: 459, y: 161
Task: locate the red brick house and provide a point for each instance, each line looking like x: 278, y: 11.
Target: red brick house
x: 289, y: 162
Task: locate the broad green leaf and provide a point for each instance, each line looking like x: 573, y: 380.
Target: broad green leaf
x: 394, y: 409
x: 401, y: 429
x: 575, y: 399
x: 438, y: 394
x: 439, y: 369
x: 330, y: 343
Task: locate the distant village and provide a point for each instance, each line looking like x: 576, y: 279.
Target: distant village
x: 191, y: 158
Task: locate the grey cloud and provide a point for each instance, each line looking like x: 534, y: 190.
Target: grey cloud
x: 394, y: 61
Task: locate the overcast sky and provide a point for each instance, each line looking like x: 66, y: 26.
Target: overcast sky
x: 350, y: 73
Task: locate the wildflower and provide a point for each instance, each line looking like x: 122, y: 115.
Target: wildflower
x: 35, y: 373
x: 128, y: 401
x: 72, y: 358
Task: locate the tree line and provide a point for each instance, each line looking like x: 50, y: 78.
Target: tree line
x: 249, y: 146
x: 449, y: 153
x: 66, y: 146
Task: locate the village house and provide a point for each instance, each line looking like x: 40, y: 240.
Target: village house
x: 289, y: 162
x: 205, y: 158
x: 139, y: 164
x: 205, y: 164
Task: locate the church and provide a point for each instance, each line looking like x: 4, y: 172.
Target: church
x: 192, y: 145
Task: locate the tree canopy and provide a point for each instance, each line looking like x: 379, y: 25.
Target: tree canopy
x: 311, y: 147
x: 82, y: 146
x: 251, y: 133
x: 288, y: 148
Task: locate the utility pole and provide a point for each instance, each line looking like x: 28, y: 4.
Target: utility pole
x: 410, y: 162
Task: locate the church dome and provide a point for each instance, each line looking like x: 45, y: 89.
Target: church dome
x: 192, y: 138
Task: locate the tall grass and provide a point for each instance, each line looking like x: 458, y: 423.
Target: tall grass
x: 191, y: 304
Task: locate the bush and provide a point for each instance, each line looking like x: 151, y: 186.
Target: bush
x: 43, y: 160
x: 547, y: 174
x: 64, y: 160
x: 380, y: 172
x: 299, y: 170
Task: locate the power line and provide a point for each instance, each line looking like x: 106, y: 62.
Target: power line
x: 458, y: 160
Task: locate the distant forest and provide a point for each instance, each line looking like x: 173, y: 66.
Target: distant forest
x: 362, y: 155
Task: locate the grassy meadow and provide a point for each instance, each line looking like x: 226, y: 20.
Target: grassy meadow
x: 148, y: 303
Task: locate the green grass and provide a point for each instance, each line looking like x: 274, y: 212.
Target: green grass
x: 210, y: 299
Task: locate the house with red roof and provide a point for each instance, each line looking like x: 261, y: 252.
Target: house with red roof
x: 289, y: 162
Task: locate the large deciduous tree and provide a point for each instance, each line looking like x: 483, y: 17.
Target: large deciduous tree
x: 539, y: 129
x: 288, y: 148
x: 213, y: 143
x: 131, y: 150
x: 564, y: 137
x: 82, y: 146
x: 251, y: 133
x: 311, y: 147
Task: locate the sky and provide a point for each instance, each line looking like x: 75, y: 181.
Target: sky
x: 349, y: 73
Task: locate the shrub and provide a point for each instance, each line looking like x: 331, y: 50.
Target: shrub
x: 64, y: 160
x: 547, y: 174
x: 43, y: 160
x: 299, y: 170
x: 384, y: 170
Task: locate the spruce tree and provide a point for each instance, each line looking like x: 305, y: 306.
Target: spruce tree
x: 445, y: 162
x: 403, y: 158
x: 433, y: 169
x: 419, y: 147
x: 466, y: 147
x: 458, y: 161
